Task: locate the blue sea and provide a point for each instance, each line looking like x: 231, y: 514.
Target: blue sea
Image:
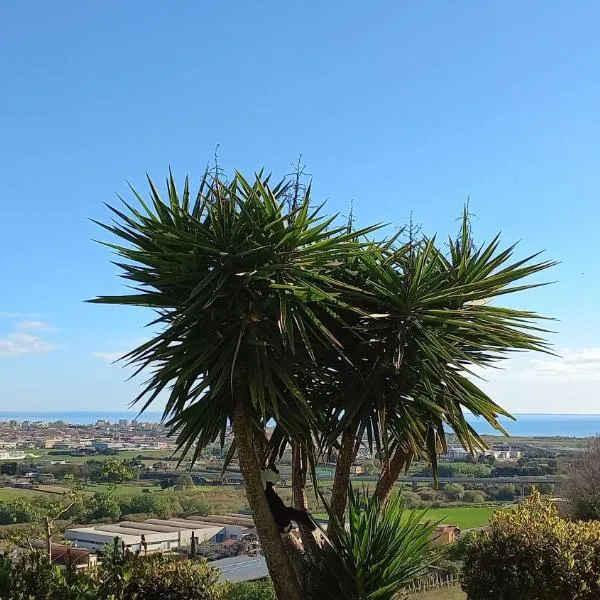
x: 525, y: 425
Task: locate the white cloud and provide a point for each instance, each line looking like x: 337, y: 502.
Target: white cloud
x: 20, y: 343
x: 572, y: 365
x: 34, y: 325
x: 18, y: 315
x: 109, y: 356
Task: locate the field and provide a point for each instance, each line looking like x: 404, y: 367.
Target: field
x: 151, y: 455
x: 7, y: 493
x: 464, y: 517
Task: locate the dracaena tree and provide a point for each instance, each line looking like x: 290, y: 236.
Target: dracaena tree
x: 267, y: 313
x: 429, y: 323
x: 235, y: 278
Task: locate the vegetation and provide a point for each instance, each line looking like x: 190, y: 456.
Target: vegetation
x: 382, y: 551
x: 267, y: 311
x: 251, y: 590
x: 532, y: 553
x: 118, y: 578
x: 582, y: 487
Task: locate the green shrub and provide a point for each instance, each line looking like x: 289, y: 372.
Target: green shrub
x: 453, y: 491
x: 532, y: 553
x: 251, y: 590
x: 428, y: 494
x: 119, y: 577
x: 163, y: 579
x: 474, y: 497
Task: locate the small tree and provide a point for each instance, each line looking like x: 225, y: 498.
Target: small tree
x: 453, y: 491
x: 474, y: 496
x: 582, y: 487
x: 506, y: 493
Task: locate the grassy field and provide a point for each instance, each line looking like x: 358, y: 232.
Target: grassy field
x: 7, y: 494
x: 465, y: 517
x: 152, y: 455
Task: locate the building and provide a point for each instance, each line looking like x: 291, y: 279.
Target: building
x: 445, y: 534
x: 60, y: 554
x: 154, y: 535
x: 241, y: 568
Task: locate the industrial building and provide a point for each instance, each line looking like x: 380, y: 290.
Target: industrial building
x: 157, y: 535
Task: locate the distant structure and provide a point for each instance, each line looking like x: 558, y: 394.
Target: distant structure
x: 160, y: 535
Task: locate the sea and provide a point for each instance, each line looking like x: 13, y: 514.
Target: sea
x: 524, y: 425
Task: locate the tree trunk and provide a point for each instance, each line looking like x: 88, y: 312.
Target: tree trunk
x: 280, y: 568
x: 390, y: 471
x: 341, y: 480
x: 299, y: 498
x: 48, y: 533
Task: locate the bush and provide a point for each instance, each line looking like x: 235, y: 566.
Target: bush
x: 474, y: 497
x: 194, y: 505
x: 506, y: 493
x: 124, y: 577
x: 531, y: 553
x: 428, y: 495
x: 411, y: 500
x: 251, y: 590
x: 453, y: 491
x: 162, y: 579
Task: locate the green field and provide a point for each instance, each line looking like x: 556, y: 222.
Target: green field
x: 7, y: 493
x: 464, y: 517
x: 158, y: 455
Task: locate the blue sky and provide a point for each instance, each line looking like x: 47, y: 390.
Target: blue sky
x: 397, y: 106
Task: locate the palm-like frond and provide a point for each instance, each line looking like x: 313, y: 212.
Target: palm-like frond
x: 380, y: 550
x: 426, y: 329
x: 235, y: 280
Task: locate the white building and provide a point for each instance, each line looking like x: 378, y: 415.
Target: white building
x: 159, y: 535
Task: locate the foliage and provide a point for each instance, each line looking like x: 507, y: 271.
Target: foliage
x: 428, y: 494
x: 520, y: 471
x: 99, y: 507
x: 117, y: 578
x: 16, y: 511
x: 117, y: 471
x: 453, y: 491
x: 238, y: 274
x: 281, y: 290
x: 251, y: 590
x: 266, y: 311
x: 380, y: 552
x: 161, y: 579
x: 506, y: 492
x: 582, y: 487
x: 412, y: 499
x: 458, y: 469
x: 161, y: 504
x: 531, y: 553
x: 474, y: 496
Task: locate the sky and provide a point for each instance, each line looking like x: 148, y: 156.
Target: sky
x: 396, y: 107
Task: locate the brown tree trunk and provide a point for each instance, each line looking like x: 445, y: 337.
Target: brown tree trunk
x: 390, y: 471
x: 300, y: 500
x: 280, y: 568
x: 48, y: 533
x: 341, y: 480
